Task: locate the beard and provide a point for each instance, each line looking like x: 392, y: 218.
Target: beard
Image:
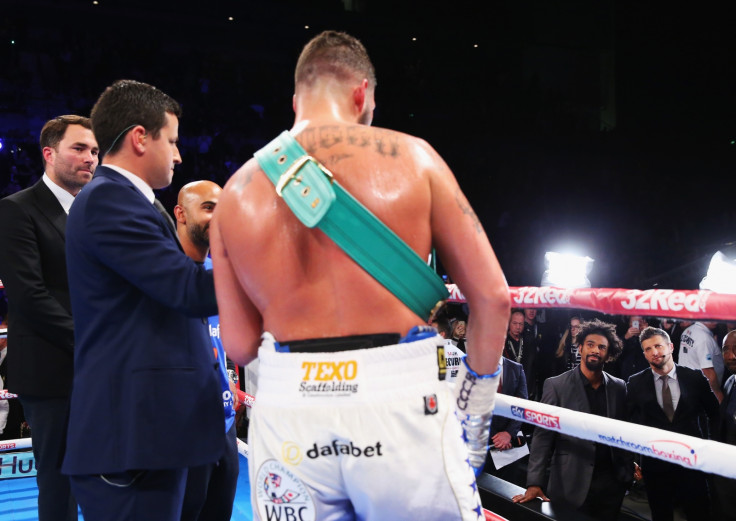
x: 662, y: 362
x: 594, y: 364
x: 200, y: 235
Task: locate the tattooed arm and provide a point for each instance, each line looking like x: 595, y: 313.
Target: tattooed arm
x: 466, y: 253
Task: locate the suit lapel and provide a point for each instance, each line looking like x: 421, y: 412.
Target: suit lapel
x: 579, y: 397
x: 610, y: 396
x: 119, y: 178
x: 50, y: 207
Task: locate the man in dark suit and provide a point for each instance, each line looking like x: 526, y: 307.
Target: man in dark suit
x: 505, y: 431
x: 679, y: 402
x: 585, y: 475
x: 725, y: 488
x: 40, y: 327
x: 146, y: 403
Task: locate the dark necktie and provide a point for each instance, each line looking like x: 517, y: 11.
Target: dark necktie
x: 669, y: 410
x: 162, y: 211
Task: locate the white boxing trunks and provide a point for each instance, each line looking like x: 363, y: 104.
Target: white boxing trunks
x: 367, y: 434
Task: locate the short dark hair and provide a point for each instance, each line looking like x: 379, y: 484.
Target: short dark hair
x: 334, y: 53
x: 598, y: 327
x: 125, y: 104
x: 649, y: 332
x: 53, y: 131
x: 442, y: 323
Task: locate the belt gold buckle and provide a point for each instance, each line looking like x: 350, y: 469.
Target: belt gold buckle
x: 293, y: 170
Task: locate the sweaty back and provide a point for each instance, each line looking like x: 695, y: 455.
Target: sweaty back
x: 316, y: 287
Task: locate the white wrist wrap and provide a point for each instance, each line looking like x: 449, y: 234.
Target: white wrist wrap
x: 475, y: 397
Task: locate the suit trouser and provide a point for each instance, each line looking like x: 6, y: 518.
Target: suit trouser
x: 677, y: 485
x: 210, y: 490
x: 135, y: 495
x: 605, y: 496
x: 724, y: 507
x: 48, y: 419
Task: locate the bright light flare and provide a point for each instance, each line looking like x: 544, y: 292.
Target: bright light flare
x: 721, y: 276
x: 566, y: 271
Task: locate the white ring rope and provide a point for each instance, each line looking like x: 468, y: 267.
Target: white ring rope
x: 7, y: 395
x: 687, y: 451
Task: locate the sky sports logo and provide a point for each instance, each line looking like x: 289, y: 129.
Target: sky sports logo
x: 540, y: 418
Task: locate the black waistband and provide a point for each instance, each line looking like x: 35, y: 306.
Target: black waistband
x: 339, y: 343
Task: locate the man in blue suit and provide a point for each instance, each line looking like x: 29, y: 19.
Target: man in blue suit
x: 505, y: 431
x: 146, y: 402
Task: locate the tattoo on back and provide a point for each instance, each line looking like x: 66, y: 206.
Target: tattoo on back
x: 382, y: 141
x: 465, y: 207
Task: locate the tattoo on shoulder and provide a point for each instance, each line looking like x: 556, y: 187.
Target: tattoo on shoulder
x: 324, y: 137
x: 243, y: 179
x: 248, y: 177
x: 336, y: 158
x: 465, y: 207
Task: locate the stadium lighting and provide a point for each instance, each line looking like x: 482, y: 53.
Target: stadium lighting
x: 566, y: 271
x: 721, y: 276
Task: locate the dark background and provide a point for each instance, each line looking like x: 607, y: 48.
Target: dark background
x: 605, y: 127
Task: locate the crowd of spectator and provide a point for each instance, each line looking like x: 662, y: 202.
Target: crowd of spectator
x: 705, y: 348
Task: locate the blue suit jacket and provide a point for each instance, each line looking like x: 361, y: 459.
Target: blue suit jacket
x: 513, y: 384
x: 146, y: 394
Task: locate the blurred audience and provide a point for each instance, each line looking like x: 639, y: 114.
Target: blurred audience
x: 699, y: 350
x: 632, y: 358
x: 567, y: 355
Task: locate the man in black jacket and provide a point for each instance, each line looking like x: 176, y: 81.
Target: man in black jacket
x: 40, y: 327
x: 587, y: 476
x: 678, y: 399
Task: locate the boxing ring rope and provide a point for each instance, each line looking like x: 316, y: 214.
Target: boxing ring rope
x: 670, y: 303
x: 688, y: 451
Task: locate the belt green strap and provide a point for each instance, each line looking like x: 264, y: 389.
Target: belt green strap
x: 314, y: 196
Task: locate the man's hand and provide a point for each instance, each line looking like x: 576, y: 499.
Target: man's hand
x: 531, y: 493
x: 236, y: 399
x: 637, y: 472
x: 631, y: 332
x: 502, y: 440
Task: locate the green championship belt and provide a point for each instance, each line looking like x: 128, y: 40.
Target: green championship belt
x: 317, y: 199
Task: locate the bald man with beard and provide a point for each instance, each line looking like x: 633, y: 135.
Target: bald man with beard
x: 193, y: 211
x: 210, y: 488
